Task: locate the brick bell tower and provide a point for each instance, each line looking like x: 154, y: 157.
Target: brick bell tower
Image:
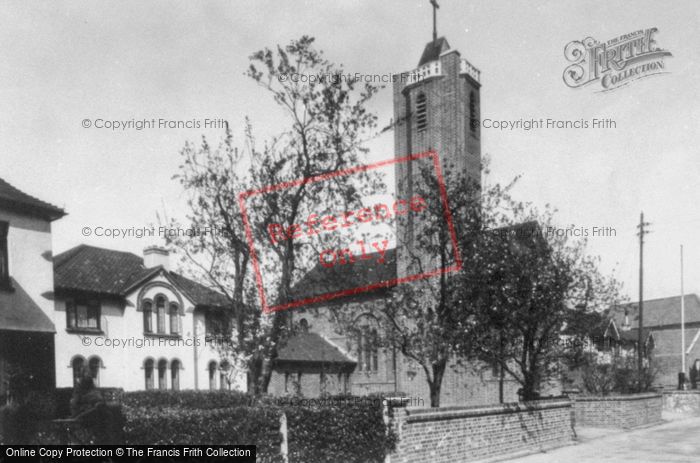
x: 436, y: 107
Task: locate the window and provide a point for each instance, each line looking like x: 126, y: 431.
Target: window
x: 473, y: 116
x: 421, y: 112
x: 175, y: 375
x: 367, y: 349
x: 374, y: 340
x: 162, y: 371
x: 83, y: 314
x: 148, y: 373
x: 286, y: 382
x: 360, y: 357
x: 174, y: 319
x: 212, y: 375
x: 78, y: 365
x: 94, y: 366
x: 147, y: 317
x: 4, y: 256
x: 160, y: 313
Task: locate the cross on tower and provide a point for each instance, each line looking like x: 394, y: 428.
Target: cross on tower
x: 435, y: 8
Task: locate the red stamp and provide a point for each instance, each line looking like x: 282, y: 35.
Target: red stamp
x: 357, y: 255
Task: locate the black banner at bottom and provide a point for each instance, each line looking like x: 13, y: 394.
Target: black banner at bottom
x: 128, y: 453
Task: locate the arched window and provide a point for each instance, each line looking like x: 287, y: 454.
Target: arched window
x: 78, y: 366
x: 160, y: 313
x: 162, y: 372
x: 94, y: 365
x: 147, y: 317
x: 473, y: 116
x: 175, y: 375
x: 212, y: 375
x: 174, y: 319
x: 374, y: 341
x: 148, y: 373
x: 223, y: 376
x: 421, y: 112
x: 303, y: 325
x: 367, y: 345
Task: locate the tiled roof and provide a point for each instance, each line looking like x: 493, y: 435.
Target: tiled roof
x: 18, y: 312
x: 311, y: 347
x: 359, y: 274
x: 433, y: 50
x: 659, y: 312
x: 112, y: 273
x: 17, y: 200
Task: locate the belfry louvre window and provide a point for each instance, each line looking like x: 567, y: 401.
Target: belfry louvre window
x: 421, y: 112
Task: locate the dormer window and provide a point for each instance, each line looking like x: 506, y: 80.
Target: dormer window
x: 4, y: 257
x: 83, y: 314
x: 421, y: 112
x: 160, y: 314
x: 174, y: 319
x: 148, y: 317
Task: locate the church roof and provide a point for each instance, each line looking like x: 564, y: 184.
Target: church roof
x: 433, y: 50
x: 311, y: 347
x: 17, y: 200
x: 112, y: 273
x: 360, y: 274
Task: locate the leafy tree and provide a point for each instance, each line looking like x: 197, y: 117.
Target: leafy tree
x: 532, y: 282
x: 328, y: 122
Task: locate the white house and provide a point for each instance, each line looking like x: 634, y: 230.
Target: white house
x: 135, y: 324
x: 26, y: 286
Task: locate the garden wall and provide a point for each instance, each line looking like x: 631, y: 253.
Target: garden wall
x: 466, y: 434
x: 620, y: 411
x: 682, y: 402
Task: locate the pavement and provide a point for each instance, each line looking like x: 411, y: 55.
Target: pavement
x: 672, y: 441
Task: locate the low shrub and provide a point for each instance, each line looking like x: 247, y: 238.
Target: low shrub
x: 19, y: 421
x: 619, y: 376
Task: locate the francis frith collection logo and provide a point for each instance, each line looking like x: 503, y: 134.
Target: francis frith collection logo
x: 614, y: 63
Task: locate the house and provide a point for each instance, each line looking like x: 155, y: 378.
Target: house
x: 621, y: 343
x: 133, y: 323
x: 662, y: 317
x: 27, y: 329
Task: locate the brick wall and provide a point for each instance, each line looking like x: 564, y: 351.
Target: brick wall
x: 475, y: 433
x: 628, y: 411
x: 685, y: 402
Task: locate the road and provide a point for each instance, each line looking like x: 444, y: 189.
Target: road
x: 674, y: 441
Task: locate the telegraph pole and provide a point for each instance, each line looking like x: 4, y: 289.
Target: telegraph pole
x: 640, y: 338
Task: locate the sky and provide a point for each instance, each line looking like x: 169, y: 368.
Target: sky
x: 67, y: 62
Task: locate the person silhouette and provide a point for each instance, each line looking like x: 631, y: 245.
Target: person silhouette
x: 695, y: 374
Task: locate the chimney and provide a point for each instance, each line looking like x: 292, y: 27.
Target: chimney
x: 153, y: 256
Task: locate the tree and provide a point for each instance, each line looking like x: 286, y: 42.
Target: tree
x: 424, y: 320
x: 328, y: 124
x: 532, y: 283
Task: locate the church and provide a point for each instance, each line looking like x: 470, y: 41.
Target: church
x: 436, y: 108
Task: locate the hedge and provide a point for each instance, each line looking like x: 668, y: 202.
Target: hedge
x: 342, y: 428
x: 339, y: 428
x: 190, y: 399
x: 223, y: 426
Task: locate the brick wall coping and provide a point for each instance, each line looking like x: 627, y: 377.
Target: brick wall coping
x: 414, y: 414
x: 681, y: 392
x: 617, y: 398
